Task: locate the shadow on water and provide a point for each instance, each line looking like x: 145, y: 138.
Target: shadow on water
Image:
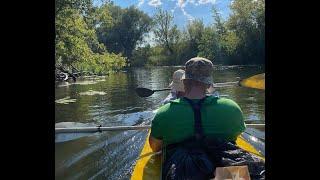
x: 112, y: 101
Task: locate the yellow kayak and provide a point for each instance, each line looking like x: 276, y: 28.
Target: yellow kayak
x: 148, y: 165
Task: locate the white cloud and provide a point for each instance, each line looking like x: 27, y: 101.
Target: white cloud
x: 181, y: 4
x: 140, y: 3
x: 206, y: 1
x: 193, y: 2
x: 155, y: 3
x: 190, y: 18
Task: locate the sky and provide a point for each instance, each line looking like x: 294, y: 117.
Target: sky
x: 183, y: 10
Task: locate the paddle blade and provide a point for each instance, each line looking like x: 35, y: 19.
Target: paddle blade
x: 257, y: 82
x: 144, y: 92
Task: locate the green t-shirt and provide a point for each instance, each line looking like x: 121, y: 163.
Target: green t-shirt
x: 221, y: 118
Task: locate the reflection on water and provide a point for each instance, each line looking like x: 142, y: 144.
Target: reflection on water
x: 112, y: 101
x: 65, y: 100
x: 91, y: 93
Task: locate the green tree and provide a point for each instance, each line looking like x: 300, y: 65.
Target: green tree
x: 77, y: 43
x: 219, y: 27
x: 166, y: 33
x: 240, y: 39
x: 214, y: 43
x: 141, y: 56
x: 247, y: 21
x: 129, y: 26
x: 195, y: 31
x: 82, y: 5
x: 72, y: 35
x: 218, y: 22
x: 229, y: 44
x: 209, y: 44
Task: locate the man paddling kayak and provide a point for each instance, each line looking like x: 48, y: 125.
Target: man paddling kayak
x: 177, y: 87
x: 179, y: 121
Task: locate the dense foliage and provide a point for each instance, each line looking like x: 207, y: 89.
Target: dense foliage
x: 77, y: 42
x: 108, y: 37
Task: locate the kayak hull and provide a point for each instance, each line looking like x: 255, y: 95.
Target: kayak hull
x: 148, y: 165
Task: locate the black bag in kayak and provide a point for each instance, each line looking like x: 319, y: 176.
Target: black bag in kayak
x: 232, y: 155
x: 187, y: 163
x: 194, y: 158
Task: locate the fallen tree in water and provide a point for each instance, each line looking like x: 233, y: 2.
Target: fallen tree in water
x: 66, y: 72
x: 63, y: 75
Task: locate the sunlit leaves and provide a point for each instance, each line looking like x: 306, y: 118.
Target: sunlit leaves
x: 126, y: 30
x: 76, y: 41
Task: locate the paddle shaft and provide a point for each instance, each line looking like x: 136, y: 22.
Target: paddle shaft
x: 216, y: 85
x: 225, y: 84
x: 118, y: 128
x: 165, y: 89
x: 256, y: 81
x: 99, y: 129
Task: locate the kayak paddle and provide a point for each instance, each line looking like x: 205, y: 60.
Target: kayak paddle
x: 145, y: 92
x: 118, y: 128
x: 256, y: 81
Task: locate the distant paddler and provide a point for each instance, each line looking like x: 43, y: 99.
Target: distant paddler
x: 177, y: 87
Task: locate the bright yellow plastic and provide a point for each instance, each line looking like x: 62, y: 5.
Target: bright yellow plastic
x: 243, y: 144
x: 257, y: 81
x: 148, y: 166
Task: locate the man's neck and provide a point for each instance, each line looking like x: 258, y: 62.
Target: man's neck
x: 195, y: 93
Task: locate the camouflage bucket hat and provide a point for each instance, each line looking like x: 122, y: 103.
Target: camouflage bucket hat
x: 199, y: 69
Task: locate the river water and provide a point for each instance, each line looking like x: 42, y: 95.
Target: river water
x: 112, y: 101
